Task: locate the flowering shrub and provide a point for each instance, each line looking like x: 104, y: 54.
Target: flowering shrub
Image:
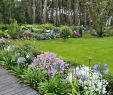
x: 48, y: 61
x: 89, y: 80
x: 77, y: 34
x: 26, y: 34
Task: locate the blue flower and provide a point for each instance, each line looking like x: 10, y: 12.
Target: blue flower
x: 106, y: 70
x: 99, y: 68
x: 96, y: 68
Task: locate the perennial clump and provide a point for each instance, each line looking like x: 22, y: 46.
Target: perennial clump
x: 89, y: 79
x: 49, y: 62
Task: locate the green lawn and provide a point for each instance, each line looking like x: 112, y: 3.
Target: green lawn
x: 78, y: 50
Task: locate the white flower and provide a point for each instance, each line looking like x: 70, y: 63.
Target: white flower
x: 10, y: 48
x: 21, y: 60
x: 70, y: 77
x: 27, y: 56
x: 94, y: 82
x: 2, y: 41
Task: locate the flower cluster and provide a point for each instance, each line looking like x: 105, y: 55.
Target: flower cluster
x: 21, y: 60
x: 91, y: 81
x: 77, y: 34
x: 49, y: 62
x: 98, y: 68
x: 2, y: 41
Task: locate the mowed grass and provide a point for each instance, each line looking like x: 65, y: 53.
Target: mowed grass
x: 78, y: 50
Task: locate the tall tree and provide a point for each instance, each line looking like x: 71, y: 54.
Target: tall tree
x: 34, y: 11
x: 45, y: 11
x: 99, y: 10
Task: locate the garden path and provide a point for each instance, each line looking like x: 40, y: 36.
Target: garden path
x: 9, y: 85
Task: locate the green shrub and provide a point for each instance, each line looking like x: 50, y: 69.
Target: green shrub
x: 56, y: 31
x: 65, y: 32
x: 33, y: 77
x: 48, y: 26
x: 39, y: 31
x: 108, y: 31
x: 13, y: 30
x: 55, y: 86
x: 1, y: 34
x: 3, y: 27
x: 4, y: 34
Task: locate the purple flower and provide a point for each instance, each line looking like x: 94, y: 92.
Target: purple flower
x: 49, y: 62
x: 81, y: 76
x: 99, y: 68
x: 106, y: 70
x: 96, y: 68
x: 34, y: 63
x: 77, y: 34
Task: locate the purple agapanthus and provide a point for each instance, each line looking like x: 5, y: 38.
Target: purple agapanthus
x: 82, y: 76
x: 49, y: 62
x: 99, y: 68
x: 106, y: 70
x: 96, y: 68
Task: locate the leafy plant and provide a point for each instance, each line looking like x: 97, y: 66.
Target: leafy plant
x: 55, y: 86
x: 19, y: 70
x: 48, y: 26
x: 6, y: 60
x: 33, y: 77
x: 65, y: 32
x: 13, y: 30
x: 109, y: 78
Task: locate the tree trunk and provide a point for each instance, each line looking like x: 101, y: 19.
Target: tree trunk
x: 45, y: 11
x: 34, y: 12
x: 76, y: 11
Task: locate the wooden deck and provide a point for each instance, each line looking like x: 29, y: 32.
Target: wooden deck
x: 9, y: 85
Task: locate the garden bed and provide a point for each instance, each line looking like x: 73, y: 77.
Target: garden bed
x: 51, y: 75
